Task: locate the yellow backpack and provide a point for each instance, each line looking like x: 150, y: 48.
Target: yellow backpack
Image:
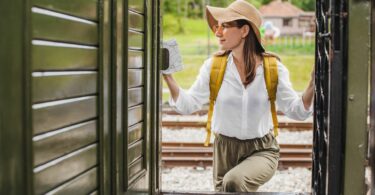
x: 216, y: 78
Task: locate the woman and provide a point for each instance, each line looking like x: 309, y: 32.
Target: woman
x: 246, y: 153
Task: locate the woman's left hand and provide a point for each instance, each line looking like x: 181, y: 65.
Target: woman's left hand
x: 308, y: 95
x: 312, y: 78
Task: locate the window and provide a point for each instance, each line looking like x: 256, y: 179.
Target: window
x: 287, y: 22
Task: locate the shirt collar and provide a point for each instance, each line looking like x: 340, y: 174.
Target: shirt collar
x: 230, y: 57
x: 231, y: 61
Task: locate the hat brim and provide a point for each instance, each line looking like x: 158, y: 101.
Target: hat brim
x: 215, y: 14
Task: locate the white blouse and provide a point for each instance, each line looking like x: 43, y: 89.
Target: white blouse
x: 241, y: 112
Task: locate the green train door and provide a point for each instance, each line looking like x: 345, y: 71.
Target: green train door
x: 78, y: 98
x: 136, y: 96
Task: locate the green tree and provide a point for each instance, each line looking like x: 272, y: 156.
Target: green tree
x: 264, y: 2
x: 306, y: 5
x: 170, y: 7
x: 219, y: 3
x: 196, y: 8
x: 256, y: 3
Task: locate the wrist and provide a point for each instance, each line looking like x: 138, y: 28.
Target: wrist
x: 167, y: 76
x: 312, y: 82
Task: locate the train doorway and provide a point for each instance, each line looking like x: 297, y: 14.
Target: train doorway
x: 183, y: 136
x: 335, y: 139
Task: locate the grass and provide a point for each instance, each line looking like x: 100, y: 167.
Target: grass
x: 298, y: 58
x: 299, y: 68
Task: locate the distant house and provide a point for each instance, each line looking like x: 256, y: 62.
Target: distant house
x: 290, y: 19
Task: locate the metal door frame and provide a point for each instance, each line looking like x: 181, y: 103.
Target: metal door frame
x: 104, y: 151
x: 330, y: 59
x: 16, y: 160
x: 372, y: 102
x: 340, y: 129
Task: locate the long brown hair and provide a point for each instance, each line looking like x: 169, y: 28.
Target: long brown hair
x: 251, y: 50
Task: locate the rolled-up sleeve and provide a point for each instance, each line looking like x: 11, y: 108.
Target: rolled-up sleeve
x: 288, y: 101
x: 193, y: 99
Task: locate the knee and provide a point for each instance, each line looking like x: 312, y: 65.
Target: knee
x: 231, y: 182
x: 238, y: 183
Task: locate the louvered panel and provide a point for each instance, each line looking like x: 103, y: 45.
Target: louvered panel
x: 136, y: 21
x: 53, y: 87
x: 135, y: 96
x: 60, y: 142
x: 50, y: 116
x: 135, y: 40
x: 135, y: 59
x: 83, y: 184
x: 136, y: 5
x: 135, y: 168
x: 135, y: 133
x: 135, y: 151
x: 80, y: 8
x: 55, y: 56
x: 135, y: 115
x: 135, y: 78
x: 48, y: 26
x: 139, y: 181
x: 57, y: 172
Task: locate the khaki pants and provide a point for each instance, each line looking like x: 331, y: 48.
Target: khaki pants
x: 244, y: 165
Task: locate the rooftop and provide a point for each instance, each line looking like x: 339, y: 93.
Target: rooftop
x: 279, y: 8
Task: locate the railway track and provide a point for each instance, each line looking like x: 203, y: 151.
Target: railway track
x: 200, y: 124
x: 195, y: 154
x: 170, y: 111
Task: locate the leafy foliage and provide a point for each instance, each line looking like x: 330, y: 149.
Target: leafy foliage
x: 195, y: 8
x: 306, y: 5
x: 173, y: 24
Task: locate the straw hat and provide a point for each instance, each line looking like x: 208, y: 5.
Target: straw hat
x: 239, y: 9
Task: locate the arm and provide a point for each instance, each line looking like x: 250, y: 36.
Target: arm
x: 172, y: 85
x: 288, y: 101
x: 192, y: 100
x: 308, y: 95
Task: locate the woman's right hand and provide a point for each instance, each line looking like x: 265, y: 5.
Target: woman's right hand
x: 172, y: 85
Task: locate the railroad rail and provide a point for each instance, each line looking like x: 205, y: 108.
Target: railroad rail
x: 171, y: 111
x: 195, y: 154
x: 202, y: 124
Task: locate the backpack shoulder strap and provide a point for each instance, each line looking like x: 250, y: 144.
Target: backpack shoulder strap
x: 219, y: 63
x: 271, y: 79
x: 271, y: 54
